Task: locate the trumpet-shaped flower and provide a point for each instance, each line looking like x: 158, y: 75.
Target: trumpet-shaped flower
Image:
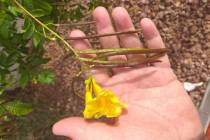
x: 101, y: 102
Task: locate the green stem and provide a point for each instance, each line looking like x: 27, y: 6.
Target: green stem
x: 104, y: 62
x: 124, y: 50
x: 125, y: 65
x: 148, y: 51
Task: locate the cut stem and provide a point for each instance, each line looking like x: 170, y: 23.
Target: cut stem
x: 75, y: 24
x: 104, y: 35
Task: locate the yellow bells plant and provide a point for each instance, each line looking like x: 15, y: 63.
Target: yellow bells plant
x: 100, y: 102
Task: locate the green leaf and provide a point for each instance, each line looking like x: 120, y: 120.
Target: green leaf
x: 29, y: 32
x: 46, y: 77
x: 18, y: 108
x: 6, y: 22
x: 39, y: 13
x: 26, y: 26
x: 37, y: 38
x: 5, y: 30
x: 2, y: 17
x: 7, y: 60
x: 3, y: 58
x: 6, y: 2
x: 12, y: 59
x: 25, y: 77
x: 41, y: 4
x: 28, y: 4
x: 15, y: 10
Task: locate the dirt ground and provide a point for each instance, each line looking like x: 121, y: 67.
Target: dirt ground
x: 185, y: 28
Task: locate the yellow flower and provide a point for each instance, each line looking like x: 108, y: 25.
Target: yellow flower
x: 101, y: 102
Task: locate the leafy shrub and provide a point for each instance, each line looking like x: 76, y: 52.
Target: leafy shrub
x: 21, y: 49
x: 21, y: 52
x: 21, y: 42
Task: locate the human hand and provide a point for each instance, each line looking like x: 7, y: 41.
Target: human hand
x: 158, y: 106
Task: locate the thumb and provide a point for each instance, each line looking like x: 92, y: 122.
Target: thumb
x: 74, y: 128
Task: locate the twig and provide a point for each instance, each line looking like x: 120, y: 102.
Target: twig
x: 104, y: 35
x: 75, y: 24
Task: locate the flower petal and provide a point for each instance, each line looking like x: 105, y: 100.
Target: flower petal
x: 105, y: 103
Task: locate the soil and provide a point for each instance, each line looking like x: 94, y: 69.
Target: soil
x: 185, y: 28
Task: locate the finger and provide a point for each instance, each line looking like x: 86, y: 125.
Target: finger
x: 100, y: 75
x: 73, y: 128
x: 154, y: 40
x: 104, y: 25
x: 123, y: 22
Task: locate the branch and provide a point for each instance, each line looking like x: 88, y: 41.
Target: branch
x: 76, y: 24
x: 103, y: 35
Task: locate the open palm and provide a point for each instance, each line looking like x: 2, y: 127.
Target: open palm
x: 158, y: 106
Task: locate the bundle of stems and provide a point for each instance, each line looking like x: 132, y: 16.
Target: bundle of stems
x: 152, y: 56
x: 100, y: 60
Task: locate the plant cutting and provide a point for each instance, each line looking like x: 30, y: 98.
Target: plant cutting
x: 96, y: 98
